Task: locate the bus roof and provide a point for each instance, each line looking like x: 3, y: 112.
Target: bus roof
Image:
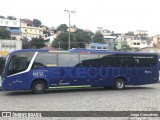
x: 82, y: 50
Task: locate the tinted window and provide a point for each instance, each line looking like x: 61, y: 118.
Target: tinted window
x: 99, y: 47
x: 68, y: 60
x: 109, y: 61
x: 89, y: 60
x: 144, y: 60
x: 45, y: 60
x: 125, y: 60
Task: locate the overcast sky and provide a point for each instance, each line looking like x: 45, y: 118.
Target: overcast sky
x: 116, y: 15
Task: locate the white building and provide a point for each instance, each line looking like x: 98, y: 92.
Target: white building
x: 13, y: 26
x: 9, y: 23
x: 28, y: 30
x: 7, y: 46
x: 98, y: 46
x: 141, y: 32
x: 50, y: 39
x: 108, y: 36
x: 138, y: 44
x: 139, y: 40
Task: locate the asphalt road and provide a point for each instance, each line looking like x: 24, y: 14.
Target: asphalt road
x: 139, y: 98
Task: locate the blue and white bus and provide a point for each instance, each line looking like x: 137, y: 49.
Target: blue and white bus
x: 39, y: 70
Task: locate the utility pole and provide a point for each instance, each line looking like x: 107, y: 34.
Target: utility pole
x: 69, y: 39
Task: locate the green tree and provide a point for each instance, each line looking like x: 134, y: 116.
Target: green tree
x: 126, y: 48
x: 62, y: 27
x: 82, y: 38
x: 4, y: 33
x: 11, y: 18
x: 25, y: 44
x: 37, y: 23
x: 78, y: 39
x: 37, y: 43
x: 98, y: 37
x: 61, y: 41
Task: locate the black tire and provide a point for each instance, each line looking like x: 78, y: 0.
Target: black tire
x: 119, y: 84
x: 39, y: 87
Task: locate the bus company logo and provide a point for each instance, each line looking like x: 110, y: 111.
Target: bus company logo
x: 38, y: 74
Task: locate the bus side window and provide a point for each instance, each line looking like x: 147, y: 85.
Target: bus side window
x: 144, y: 60
x: 68, y: 60
x: 90, y: 63
x: 136, y: 62
x: 38, y: 65
x: 109, y: 61
x: 45, y: 60
x: 89, y: 60
x: 125, y: 61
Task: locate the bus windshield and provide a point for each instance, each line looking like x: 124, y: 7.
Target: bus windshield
x: 2, y: 64
x: 19, y: 62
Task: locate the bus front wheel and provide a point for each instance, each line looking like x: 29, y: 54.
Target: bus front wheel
x: 38, y: 87
x: 119, y: 84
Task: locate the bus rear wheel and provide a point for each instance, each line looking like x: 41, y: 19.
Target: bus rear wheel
x: 39, y: 87
x: 119, y: 84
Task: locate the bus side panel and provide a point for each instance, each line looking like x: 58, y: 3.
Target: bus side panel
x: 39, y: 74
x: 68, y: 76
x: 94, y: 76
x: 104, y: 76
x: 74, y: 76
x: 16, y: 82
x: 146, y: 75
